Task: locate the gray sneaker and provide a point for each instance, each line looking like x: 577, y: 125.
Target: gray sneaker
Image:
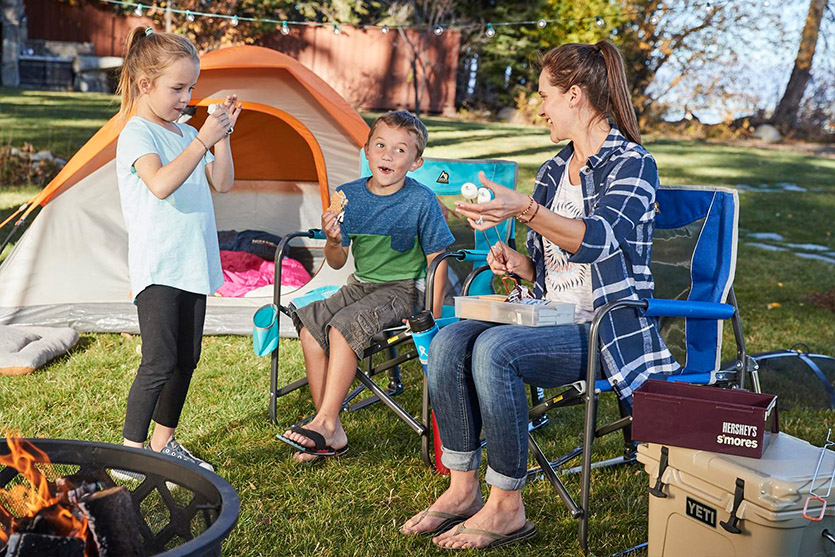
x: 176, y: 450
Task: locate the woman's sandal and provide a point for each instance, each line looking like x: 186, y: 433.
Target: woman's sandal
x: 320, y: 448
x: 524, y: 533
x: 450, y: 521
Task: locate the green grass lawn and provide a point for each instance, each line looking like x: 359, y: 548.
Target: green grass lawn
x: 353, y: 505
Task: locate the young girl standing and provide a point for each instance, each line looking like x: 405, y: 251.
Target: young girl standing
x: 164, y: 171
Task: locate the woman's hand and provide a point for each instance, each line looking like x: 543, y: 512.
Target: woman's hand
x: 331, y: 228
x: 506, y: 203
x: 504, y: 260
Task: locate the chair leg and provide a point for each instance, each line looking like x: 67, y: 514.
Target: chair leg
x: 538, y: 397
x: 585, y: 480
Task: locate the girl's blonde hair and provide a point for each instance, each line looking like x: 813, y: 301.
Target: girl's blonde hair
x: 148, y: 53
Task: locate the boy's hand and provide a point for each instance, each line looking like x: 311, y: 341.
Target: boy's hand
x: 332, y: 228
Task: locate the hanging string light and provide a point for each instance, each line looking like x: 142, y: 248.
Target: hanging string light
x: 655, y: 17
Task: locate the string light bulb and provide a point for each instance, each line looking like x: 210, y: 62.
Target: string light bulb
x: 234, y: 21
x: 336, y: 29
x: 766, y: 3
x: 541, y: 23
x: 138, y: 11
x: 189, y: 17
x: 599, y: 21
x: 285, y: 29
x: 439, y: 30
x: 654, y: 19
x: 384, y: 29
x: 708, y: 7
x: 490, y: 32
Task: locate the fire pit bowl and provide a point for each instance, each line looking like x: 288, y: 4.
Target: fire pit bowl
x: 182, y: 509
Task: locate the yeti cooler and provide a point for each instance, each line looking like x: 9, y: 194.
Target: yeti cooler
x: 709, y: 504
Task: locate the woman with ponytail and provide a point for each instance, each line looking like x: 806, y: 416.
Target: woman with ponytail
x: 590, y: 226
x: 165, y: 170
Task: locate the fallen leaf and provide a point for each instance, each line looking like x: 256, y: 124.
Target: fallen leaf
x: 773, y: 305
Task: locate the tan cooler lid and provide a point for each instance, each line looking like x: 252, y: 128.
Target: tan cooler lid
x: 779, y: 481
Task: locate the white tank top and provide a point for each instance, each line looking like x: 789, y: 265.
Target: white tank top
x: 565, y: 281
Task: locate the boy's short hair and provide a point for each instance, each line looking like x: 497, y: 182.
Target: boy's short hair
x: 403, y: 119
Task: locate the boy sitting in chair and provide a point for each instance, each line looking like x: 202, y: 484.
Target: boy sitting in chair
x: 396, y: 228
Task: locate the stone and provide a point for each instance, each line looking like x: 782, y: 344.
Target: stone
x: 41, y: 156
x: 507, y: 114
x: 767, y: 133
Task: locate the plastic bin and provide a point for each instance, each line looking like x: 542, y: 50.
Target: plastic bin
x: 493, y: 308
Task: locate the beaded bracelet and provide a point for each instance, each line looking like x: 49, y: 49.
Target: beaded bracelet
x: 535, y: 211
x: 525, y: 212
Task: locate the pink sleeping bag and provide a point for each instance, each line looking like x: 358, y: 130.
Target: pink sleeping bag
x: 244, y: 271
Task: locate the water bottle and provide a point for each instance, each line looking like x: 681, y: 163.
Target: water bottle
x: 424, y: 330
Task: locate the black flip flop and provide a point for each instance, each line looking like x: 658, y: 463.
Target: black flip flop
x: 320, y: 448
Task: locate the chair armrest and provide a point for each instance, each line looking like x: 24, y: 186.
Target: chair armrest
x: 659, y: 307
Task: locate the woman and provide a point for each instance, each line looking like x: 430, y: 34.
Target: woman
x: 590, y: 231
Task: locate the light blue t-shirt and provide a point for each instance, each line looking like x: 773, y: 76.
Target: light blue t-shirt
x: 171, y: 241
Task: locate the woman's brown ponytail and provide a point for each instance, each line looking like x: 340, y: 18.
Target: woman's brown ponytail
x: 599, y: 70
x: 620, y: 104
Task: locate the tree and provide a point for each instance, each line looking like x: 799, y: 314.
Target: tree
x: 785, y: 115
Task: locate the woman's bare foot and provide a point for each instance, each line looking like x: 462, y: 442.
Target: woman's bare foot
x: 463, y: 498
x: 334, y: 436
x: 504, y: 513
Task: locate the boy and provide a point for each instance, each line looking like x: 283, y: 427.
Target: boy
x: 396, y: 228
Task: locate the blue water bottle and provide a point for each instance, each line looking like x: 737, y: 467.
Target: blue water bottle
x: 424, y: 330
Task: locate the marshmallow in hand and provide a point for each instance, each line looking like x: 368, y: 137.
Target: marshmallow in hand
x: 212, y: 108
x: 484, y: 195
x: 469, y: 191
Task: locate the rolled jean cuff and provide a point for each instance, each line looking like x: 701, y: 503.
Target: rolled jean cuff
x: 461, y: 461
x: 501, y: 481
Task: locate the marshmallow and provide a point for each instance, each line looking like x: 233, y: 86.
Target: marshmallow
x: 469, y: 190
x: 212, y: 108
x: 484, y: 195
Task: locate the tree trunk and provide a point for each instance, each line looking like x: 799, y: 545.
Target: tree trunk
x: 786, y: 112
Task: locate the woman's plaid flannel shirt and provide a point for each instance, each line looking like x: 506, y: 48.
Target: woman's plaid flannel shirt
x: 619, y: 184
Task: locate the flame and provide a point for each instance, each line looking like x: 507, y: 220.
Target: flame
x: 35, y: 497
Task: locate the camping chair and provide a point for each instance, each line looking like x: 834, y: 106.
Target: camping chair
x: 694, y: 261
x: 445, y: 177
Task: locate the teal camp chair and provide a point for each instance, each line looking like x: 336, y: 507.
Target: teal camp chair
x: 445, y: 177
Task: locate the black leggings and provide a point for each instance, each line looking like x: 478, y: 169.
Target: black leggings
x: 171, y: 326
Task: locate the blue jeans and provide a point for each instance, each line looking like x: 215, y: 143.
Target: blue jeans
x: 477, y: 374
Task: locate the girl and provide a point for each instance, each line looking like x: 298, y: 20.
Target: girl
x: 164, y: 171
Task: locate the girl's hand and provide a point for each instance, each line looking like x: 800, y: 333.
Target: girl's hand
x: 506, y: 203
x: 233, y: 108
x: 504, y: 260
x: 331, y: 227
x: 216, y: 126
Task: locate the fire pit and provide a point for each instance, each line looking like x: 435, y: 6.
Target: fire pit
x: 181, y: 509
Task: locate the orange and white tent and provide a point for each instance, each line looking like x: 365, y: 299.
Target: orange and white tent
x: 295, y: 141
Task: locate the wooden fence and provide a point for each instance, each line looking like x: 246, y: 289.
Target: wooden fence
x: 372, y: 70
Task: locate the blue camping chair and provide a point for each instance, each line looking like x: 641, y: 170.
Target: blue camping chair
x: 445, y: 177
x: 694, y: 261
